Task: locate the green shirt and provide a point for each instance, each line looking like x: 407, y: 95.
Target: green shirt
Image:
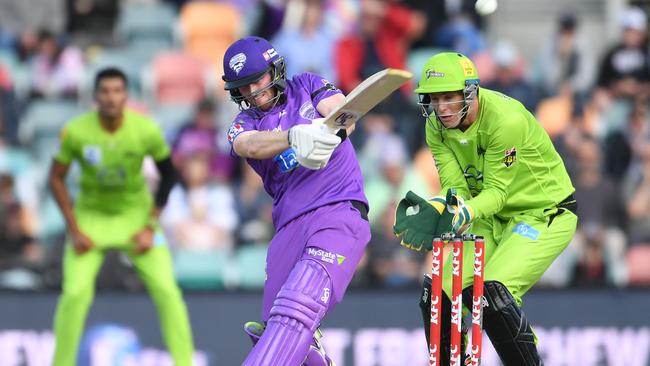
x: 111, y: 178
x: 504, y: 163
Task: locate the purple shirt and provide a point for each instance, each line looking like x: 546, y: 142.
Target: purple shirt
x: 300, y: 190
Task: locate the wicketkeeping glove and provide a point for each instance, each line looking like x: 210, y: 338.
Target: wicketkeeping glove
x: 459, y: 215
x: 416, y: 220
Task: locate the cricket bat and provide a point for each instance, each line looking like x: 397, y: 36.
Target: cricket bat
x: 365, y: 96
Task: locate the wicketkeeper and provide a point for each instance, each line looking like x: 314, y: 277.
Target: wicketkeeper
x: 502, y: 179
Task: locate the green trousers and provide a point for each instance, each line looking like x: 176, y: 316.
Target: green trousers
x: 517, y: 251
x: 154, y: 269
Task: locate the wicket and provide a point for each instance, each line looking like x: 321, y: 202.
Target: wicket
x: 457, y: 299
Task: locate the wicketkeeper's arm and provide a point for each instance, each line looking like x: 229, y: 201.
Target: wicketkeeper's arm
x: 450, y: 172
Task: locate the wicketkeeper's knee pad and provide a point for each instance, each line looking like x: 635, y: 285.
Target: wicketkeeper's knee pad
x: 298, y: 308
x: 510, y: 332
x: 445, y: 322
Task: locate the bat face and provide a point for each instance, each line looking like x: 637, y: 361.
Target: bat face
x: 365, y: 96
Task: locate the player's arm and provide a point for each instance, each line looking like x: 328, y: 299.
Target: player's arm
x: 500, y: 166
x: 168, y: 178
x: 329, y: 104
x: 260, y: 144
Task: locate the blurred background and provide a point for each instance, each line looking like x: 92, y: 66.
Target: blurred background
x: 581, y: 66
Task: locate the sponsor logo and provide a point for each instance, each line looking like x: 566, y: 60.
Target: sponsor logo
x: 92, y: 154
x: 456, y: 262
x: 526, y: 230
x: 456, y: 304
x: 478, y: 262
x: 307, y: 111
x: 476, y: 310
x: 436, y: 253
x: 326, y: 295
x: 235, y: 129
x: 434, y: 74
x: 327, y: 257
x: 237, y: 62
x: 510, y: 157
x: 433, y: 360
x: 435, y: 313
x: 454, y: 360
x: 269, y: 54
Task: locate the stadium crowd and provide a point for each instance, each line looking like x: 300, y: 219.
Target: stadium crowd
x: 218, y: 220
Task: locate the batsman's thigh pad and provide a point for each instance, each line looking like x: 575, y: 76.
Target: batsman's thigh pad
x: 297, y: 311
x: 510, y: 332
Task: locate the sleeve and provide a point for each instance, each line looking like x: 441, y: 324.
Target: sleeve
x: 158, y: 147
x: 500, y: 166
x: 238, y: 126
x: 67, y: 147
x: 451, y: 175
x: 319, y: 88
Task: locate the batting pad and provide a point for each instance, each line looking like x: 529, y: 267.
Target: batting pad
x: 296, y: 313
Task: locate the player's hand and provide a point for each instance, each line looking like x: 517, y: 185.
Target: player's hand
x: 416, y: 220
x: 81, y: 243
x: 462, y: 213
x: 313, y: 144
x: 143, y: 240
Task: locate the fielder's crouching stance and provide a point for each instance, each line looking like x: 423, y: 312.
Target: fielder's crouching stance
x: 501, y: 176
x: 319, y: 209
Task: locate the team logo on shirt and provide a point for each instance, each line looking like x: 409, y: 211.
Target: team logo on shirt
x: 92, y: 154
x: 235, y: 129
x: 237, y: 62
x: 510, y: 156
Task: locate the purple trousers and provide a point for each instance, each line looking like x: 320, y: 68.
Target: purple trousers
x: 335, y: 235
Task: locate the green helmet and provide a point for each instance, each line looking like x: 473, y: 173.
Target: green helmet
x: 446, y: 72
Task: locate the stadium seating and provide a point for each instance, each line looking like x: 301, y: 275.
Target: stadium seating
x: 176, y: 77
x: 249, y: 262
x: 147, y: 25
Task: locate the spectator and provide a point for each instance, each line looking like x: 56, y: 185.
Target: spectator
x: 602, y: 219
x: 253, y: 209
x: 563, y: 62
x: 292, y: 43
x: 509, y: 75
x: 201, y: 135
x: 200, y: 215
x: 8, y: 108
x: 386, y: 32
x: 636, y: 190
x: 57, y: 70
x: 624, y: 71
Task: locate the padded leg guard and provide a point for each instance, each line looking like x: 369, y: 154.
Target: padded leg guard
x: 445, y: 318
x: 297, y: 311
x: 316, y: 355
x: 508, y: 329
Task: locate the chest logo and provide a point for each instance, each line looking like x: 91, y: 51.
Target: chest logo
x: 510, y: 157
x: 92, y: 154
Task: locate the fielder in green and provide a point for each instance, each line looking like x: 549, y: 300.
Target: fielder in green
x: 114, y: 210
x: 501, y: 178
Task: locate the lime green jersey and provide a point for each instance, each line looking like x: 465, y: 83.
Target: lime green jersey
x: 503, y: 164
x: 111, y: 178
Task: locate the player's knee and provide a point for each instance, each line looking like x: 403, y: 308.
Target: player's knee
x: 305, y: 296
x: 80, y: 294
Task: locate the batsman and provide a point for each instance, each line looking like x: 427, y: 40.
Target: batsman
x: 501, y: 178
x: 319, y: 208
